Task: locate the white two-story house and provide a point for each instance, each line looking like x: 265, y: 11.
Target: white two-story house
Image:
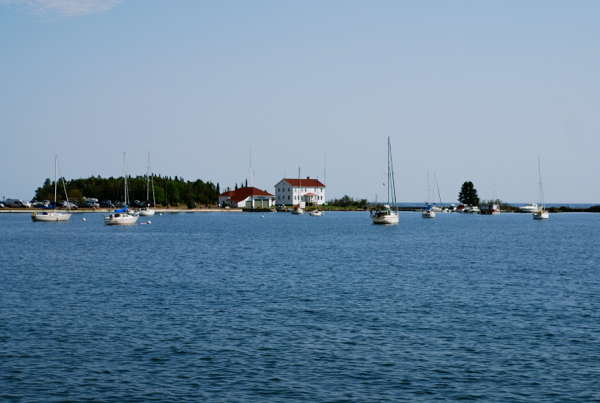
x: 299, y: 191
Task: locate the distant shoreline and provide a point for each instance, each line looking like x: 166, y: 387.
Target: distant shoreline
x: 239, y: 210
x: 108, y: 211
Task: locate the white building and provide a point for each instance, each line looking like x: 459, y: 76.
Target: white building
x: 247, y: 197
x: 299, y: 191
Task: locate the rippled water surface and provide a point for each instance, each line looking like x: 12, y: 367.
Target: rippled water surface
x: 218, y: 307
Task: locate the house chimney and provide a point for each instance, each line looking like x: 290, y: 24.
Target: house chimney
x: 308, y: 177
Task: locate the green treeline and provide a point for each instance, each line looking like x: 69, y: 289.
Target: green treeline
x: 167, y: 191
x: 348, y: 201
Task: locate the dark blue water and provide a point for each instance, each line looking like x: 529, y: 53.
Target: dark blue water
x: 233, y: 307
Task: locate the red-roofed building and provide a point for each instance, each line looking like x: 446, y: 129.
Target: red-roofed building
x: 299, y: 191
x: 246, y: 197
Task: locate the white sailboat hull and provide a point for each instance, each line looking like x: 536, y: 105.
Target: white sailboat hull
x: 120, y: 219
x: 385, y: 217
x: 541, y: 215
x: 147, y: 213
x: 428, y: 214
x: 316, y: 213
x: 390, y: 219
x: 50, y: 217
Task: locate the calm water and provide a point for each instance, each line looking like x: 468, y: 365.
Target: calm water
x: 239, y: 308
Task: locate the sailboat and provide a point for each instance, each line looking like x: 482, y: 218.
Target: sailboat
x: 122, y: 216
x: 541, y: 214
x: 439, y: 207
x: 428, y: 210
x: 149, y: 180
x: 298, y: 207
x: 386, y: 215
x: 316, y: 212
x: 53, y: 216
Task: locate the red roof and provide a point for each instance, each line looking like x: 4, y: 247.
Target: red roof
x: 309, y: 183
x: 242, y: 193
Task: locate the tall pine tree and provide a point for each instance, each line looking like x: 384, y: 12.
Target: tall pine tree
x: 468, y: 194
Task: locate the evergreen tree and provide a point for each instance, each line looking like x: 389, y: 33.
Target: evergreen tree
x: 468, y: 194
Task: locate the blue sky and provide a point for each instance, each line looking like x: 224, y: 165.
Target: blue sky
x: 469, y: 90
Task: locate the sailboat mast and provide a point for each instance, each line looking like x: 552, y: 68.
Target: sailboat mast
x: 437, y: 187
x: 541, y: 187
x: 389, y: 173
x: 55, y: 178
x: 250, y: 172
x: 150, y: 170
x: 148, y: 179
x: 125, y: 179
x: 428, y: 189
x: 391, y: 182
x: 153, y: 196
x: 299, y: 187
